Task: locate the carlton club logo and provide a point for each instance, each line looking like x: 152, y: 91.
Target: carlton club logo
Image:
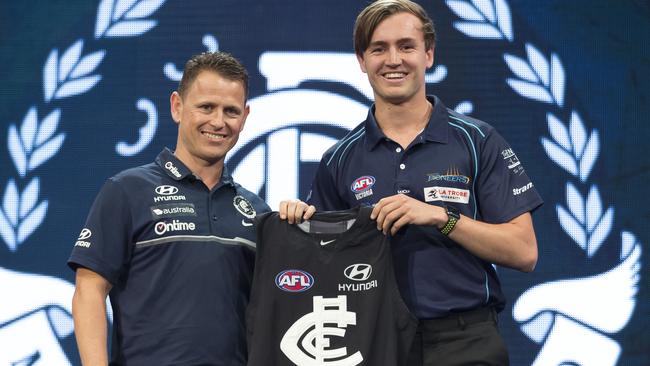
x: 330, y: 318
x: 294, y: 280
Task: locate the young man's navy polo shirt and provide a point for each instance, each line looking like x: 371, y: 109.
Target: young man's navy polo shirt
x: 180, y: 259
x: 457, y: 161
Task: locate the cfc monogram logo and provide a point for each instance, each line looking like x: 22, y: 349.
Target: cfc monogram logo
x: 329, y: 318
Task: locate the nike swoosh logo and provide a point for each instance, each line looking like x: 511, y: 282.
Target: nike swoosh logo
x: 244, y: 223
x: 323, y: 242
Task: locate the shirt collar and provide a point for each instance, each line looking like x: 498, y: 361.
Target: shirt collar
x: 435, y: 131
x: 176, y: 170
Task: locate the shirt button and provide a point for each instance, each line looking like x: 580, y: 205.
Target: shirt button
x: 402, y: 166
x: 214, y: 217
x: 399, y: 149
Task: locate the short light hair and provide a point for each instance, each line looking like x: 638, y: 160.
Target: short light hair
x: 370, y: 17
x: 224, y: 64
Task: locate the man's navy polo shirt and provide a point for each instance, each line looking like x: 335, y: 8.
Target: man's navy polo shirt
x: 456, y: 160
x: 180, y: 259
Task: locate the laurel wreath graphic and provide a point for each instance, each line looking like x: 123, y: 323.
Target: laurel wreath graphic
x: 64, y: 76
x: 570, y: 146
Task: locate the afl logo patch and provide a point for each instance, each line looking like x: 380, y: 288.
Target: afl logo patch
x: 244, y: 207
x: 362, y: 183
x: 294, y: 280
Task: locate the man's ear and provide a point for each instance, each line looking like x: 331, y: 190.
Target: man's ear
x: 176, y: 106
x: 430, y: 54
x: 362, y: 64
x: 247, y: 110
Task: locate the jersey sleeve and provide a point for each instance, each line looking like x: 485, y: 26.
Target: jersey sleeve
x: 504, y: 190
x: 323, y: 194
x: 104, y: 245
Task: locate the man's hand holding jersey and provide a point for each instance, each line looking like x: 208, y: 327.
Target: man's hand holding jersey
x: 295, y: 211
x: 510, y: 244
x: 391, y: 213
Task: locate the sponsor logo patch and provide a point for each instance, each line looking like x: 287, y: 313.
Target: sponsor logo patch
x: 85, y: 234
x: 294, y: 280
x: 512, y: 161
x: 173, y: 169
x: 362, y: 186
x: 520, y: 190
x: 452, y: 175
x: 358, y: 272
x: 168, y: 193
x: 81, y: 240
x: 166, y: 190
x: 244, y: 207
x: 446, y: 194
x: 165, y: 227
x: 172, y: 210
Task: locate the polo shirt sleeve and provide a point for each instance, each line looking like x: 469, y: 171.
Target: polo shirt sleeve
x: 108, y: 248
x: 323, y: 194
x: 503, y: 189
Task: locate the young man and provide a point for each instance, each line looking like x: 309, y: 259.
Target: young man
x: 172, y: 242
x: 446, y: 187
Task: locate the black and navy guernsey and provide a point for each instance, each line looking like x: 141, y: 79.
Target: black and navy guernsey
x: 456, y: 160
x: 324, y: 293
x: 180, y: 259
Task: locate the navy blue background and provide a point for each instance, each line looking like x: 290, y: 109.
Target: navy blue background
x: 603, y: 45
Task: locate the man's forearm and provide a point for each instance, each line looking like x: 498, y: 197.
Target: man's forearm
x: 511, y: 244
x: 89, y: 313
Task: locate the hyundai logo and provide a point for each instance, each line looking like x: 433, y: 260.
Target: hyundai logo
x: 166, y: 190
x: 358, y: 272
x: 85, y: 234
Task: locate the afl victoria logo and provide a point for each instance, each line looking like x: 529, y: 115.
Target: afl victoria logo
x: 166, y: 190
x: 358, y: 272
x: 294, y: 280
x: 362, y: 183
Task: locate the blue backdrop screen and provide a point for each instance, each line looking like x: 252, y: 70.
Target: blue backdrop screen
x: 85, y: 94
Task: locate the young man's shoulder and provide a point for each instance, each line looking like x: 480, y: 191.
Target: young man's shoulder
x: 345, y: 143
x: 476, y: 127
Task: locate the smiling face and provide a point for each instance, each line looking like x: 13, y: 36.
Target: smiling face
x: 210, y: 116
x: 396, y: 59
